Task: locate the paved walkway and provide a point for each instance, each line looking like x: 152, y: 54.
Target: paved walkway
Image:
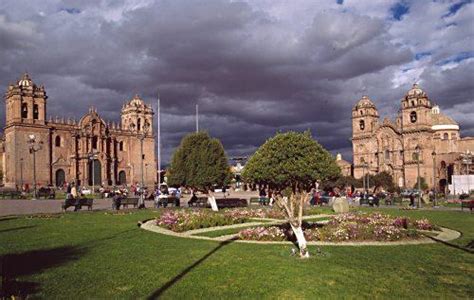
x: 22, y: 207
x: 26, y: 207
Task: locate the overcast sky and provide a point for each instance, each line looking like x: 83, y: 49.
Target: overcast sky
x: 254, y: 67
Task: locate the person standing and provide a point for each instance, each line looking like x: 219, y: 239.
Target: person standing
x: 74, y: 195
x: 74, y: 191
x: 262, y: 195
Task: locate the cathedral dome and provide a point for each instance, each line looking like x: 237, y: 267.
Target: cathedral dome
x: 136, y: 101
x: 364, y: 102
x: 25, y: 81
x: 440, y: 121
x: 416, y: 91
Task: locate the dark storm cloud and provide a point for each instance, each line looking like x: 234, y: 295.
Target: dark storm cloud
x: 254, y: 68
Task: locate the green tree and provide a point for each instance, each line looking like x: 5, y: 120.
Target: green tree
x: 199, y: 163
x: 291, y: 161
x: 423, y: 184
x: 383, y: 180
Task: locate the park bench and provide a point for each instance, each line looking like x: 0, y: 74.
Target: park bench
x: 467, y: 204
x: 125, y: 202
x: 46, y: 192
x: 169, y: 201
x: 78, y: 203
x: 230, y: 202
x: 258, y: 201
x: 200, y: 202
x: 10, y: 194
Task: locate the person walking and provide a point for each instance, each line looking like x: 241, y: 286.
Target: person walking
x: 412, y: 200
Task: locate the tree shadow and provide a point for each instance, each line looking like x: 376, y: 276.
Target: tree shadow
x: 156, y: 294
x: 15, y: 265
x: 16, y: 228
x: 7, y: 218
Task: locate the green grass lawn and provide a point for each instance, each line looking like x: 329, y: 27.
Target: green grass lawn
x: 96, y: 255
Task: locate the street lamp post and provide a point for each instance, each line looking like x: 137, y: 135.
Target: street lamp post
x: 363, y: 177
x: 467, y: 160
x: 35, y: 146
x: 446, y: 187
x: 368, y: 178
x: 92, y: 157
x: 417, y: 151
x: 434, y: 177
x: 21, y: 173
x: 113, y: 175
x: 141, y: 136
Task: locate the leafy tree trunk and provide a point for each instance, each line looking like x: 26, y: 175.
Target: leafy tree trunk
x: 293, y: 209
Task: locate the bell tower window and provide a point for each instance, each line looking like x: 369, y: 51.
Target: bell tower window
x: 94, y: 142
x: 24, y: 110
x: 362, y: 125
x: 35, y: 111
x: 139, y: 124
x: 413, y: 117
x: 57, y: 141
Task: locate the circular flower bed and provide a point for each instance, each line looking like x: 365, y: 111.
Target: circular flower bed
x: 346, y: 227
x: 190, y: 219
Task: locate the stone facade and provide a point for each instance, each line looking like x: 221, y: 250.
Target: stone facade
x: 392, y: 145
x: 344, y: 165
x: 74, y: 151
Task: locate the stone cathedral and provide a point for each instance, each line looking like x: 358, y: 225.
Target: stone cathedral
x: 74, y: 151
x: 392, y: 145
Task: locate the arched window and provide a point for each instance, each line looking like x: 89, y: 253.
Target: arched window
x: 445, y: 136
x: 57, y: 141
x: 413, y: 117
x: 122, y: 178
x: 453, y: 136
x: 35, y: 111
x: 94, y: 142
x: 139, y: 124
x: 24, y: 110
x: 362, y: 125
x: 413, y: 103
x: 361, y: 112
x: 121, y: 146
x: 60, y: 177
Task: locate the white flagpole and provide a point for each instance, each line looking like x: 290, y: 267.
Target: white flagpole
x: 159, y: 141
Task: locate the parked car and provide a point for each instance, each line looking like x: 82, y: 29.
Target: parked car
x: 46, y: 192
x: 325, y: 198
x: 369, y: 199
x: 86, y: 191
x: 407, y: 192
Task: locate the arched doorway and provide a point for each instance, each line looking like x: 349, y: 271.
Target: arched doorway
x: 443, y: 185
x: 60, y: 177
x: 122, y: 178
x: 96, y: 168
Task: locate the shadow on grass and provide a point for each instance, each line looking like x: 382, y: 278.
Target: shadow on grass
x: 14, y: 266
x: 7, y: 218
x: 17, y: 228
x: 156, y: 294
